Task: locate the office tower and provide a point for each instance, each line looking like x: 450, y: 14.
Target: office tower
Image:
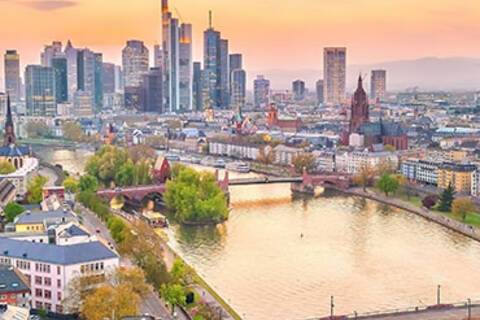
x: 108, y: 72
x: 152, y: 83
x: 185, y: 69
x: 133, y: 98
x: 334, y: 74
x: 83, y: 104
x: 86, y: 73
x: 224, y: 74
x: 238, y: 89
x: 378, y: 84
x: 12, y: 75
x: 261, y: 91
x: 98, y: 93
x: 319, y: 89
x: 298, y: 89
x: 158, y: 56
x: 49, y: 52
x: 135, y: 62
x: 72, y: 66
x: 59, y: 65
x: 197, y: 86
x: 236, y: 61
x: 40, y: 91
x: 118, y: 79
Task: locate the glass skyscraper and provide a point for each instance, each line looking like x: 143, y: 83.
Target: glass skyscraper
x: 40, y: 92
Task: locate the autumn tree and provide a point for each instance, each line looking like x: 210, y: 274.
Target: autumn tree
x: 35, y: 189
x: 73, y: 131
x: 364, y: 177
x: 141, y: 152
x: 111, y: 302
x: 304, y: 161
x: 463, y: 206
x: 71, y: 184
x: 266, y: 155
x: 6, y: 167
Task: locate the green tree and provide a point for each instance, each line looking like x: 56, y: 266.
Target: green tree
x: 12, y: 210
x: 117, y: 228
x: 174, y: 295
x: 126, y: 174
x: 73, y: 131
x: 37, y: 129
x: 446, y: 199
x: 195, y: 197
x: 142, y: 173
x: 88, y: 183
x: 388, y: 184
x: 463, y: 206
x: 6, y: 167
x: 304, y: 161
x: 35, y: 189
x: 71, y: 184
x: 106, y: 163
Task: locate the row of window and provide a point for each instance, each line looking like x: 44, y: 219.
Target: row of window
x: 42, y: 267
x: 47, y: 294
x: 24, y: 265
x: 48, y: 306
x: 35, y: 228
x: 92, y: 267
x: 46, y: 281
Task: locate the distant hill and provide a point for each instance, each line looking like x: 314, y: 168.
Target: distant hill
x: 425, y: 73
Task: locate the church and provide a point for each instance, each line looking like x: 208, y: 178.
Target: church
x: 364, y: 133
x: 16, y: 155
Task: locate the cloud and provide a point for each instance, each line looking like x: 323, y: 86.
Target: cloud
x: 45, y: 5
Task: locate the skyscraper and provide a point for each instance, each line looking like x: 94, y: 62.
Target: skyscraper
x: 319, y: 90
x: 378, y: 84
x: 89, y: 75
x: 108, y: 78
x: 59, y: 65
x: 12, y: 74
x: 298, y: 89
x: 40, y: 91
x: 49, y: 52
x: 185, y: 68
x: 238, y: 81
x: 98, y: 74
x: 215, y: 69
x: 152, y: 99
x: 261, y: 91
x: 236, y: 61
x: 135, y: 62
x: 72, y: 66
x: 197, y: 86
x: 334, y: 74
x: 158, y: 56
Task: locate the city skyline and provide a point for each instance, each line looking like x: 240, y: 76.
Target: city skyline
x: 306, y: 29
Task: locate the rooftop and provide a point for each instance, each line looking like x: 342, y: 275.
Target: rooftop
x: 37, y: 217
x: 54, y: 254
x: 11, y: 281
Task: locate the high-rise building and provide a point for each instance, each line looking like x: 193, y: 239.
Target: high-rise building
x: 59, y: 65
x: 158, y: 56
x: 152, y: 84
x: 185, y: 69
x: 236, y: 61
x: 319, y: 90
x: 135, y: 62
x: 261, y: 91
x: 238, y: 88
x: 378, y: 84
x: 12, y: 75
x: 40, y: 91
x: 108, y: 78
x: 89, y: 75
x: 334, y: 74
x: 119, y: 85
x: 98, y: 93
x: 83, y: 104
x: 72, y: 66
x: 298, y: 89
x: 197, y: 86
x: 216, y: 70
x: 49, y: 52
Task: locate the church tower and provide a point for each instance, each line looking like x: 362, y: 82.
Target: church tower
x: 9, y: 138
x: 359, y: 110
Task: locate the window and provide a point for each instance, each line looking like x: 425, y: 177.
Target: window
x: 38, y: 305
x: 38, y: 293
x: 38, y: 280
x: 48, y: 306
x: 47, y: 294
x: 59, y: 308
x: 59, y: 283
x: 58, y: 270
x: 59, y: 296
x: 47, y: 281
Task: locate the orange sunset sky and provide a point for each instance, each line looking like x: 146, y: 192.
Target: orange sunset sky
x: 285, y: 34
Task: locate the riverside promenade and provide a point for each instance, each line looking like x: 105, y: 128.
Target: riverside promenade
x: 466, y: 230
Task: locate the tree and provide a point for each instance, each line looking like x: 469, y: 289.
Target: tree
x: 141, y: 152
x: 174, y: 295
x: 143, y: 173
x: 117, y: 228
x: 37, y: 129
x: 430, y: 201
x: 88, y: 183
x: 463, y: 206
x: 6, y: 167
x: 12, y: 210
x: 365, y: 177
x: 111, y: 302
x: 195, y: 197
x: 385, y: 166
x: 106, y: 163
x: 71, y: 184
x: 73, y: 131
x: 304, y: 161
x: 387, y: 184
x: 35, y: 189
x: 156, y: 141
x: 266, y: 155
x: 446, y: 199
x: 132, y: 276
x: 126, y: 174
x: 181, y: 273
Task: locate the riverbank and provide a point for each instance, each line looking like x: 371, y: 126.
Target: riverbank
x: 466, y: 230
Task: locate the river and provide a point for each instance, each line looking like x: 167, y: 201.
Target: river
x: 282, y: 258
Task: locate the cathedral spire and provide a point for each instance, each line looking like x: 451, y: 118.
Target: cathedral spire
x: 360, y: 82
x: 9, y: 138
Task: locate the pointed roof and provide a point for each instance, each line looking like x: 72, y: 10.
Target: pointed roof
x: 360, y: 82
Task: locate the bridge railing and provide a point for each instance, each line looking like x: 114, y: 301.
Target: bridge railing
x: 408, y: 310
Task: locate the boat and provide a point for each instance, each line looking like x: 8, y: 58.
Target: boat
x: 207, y: 162
x: 172, y: 157
x: 238, y: 166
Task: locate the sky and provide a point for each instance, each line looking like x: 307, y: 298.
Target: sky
x: 272, y: 34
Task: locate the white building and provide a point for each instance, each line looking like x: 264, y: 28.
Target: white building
x: 50, y: 268
x: 421, y: 171
x: 20, y: 177
x: 353, y: 162
x: 234, y: 150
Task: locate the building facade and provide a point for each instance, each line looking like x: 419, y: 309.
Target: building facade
x: 12, y: 75
x: 298, y: 89
x: 334, y: 75
x: 40, y: 93
x: 261, y: 91
x: 319, y: 90
x: 135, y: 62
x: 378, y: 83
x: 185, y: 69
